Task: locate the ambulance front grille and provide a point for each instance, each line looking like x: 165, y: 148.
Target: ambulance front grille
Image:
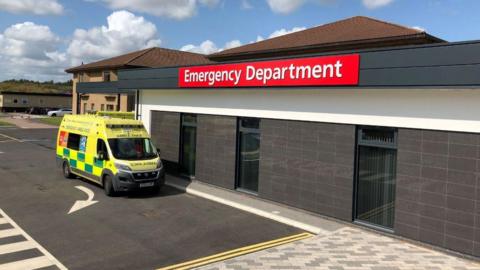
x: 145, y: 175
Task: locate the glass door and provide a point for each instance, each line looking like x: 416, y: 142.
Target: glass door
x: 248, y: 154
x: 376, y: 171
x: 188, y: 138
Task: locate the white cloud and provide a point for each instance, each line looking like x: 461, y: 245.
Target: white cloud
x: 124, y: 32
x: 245, y: 5
x: 30, y: 51
x: 178, y: 9
x: 232, y: 44
x: 39, y: 7
x: 209, y: 47
x: 209, y: 3
x: 282, y: 32
x: 419, y: 28
x: 373, y: 4
x: 284, y: 6
x: 34, y: 52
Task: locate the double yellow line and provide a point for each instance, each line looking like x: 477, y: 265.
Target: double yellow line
x: 237, y: 252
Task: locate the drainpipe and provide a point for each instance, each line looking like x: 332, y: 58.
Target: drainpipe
x: 118, y: 102
x: 78, y: 102
x: 137, y: 102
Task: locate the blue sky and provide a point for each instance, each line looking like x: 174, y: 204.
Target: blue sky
x: 38, y: 39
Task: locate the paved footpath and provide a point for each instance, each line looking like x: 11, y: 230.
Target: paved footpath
x: 346, y: 249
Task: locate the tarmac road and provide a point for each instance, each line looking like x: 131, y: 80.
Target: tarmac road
x: 140, y: 231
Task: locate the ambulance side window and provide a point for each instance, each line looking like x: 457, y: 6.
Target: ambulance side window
x: 73, y: 141
x: 101, y: 147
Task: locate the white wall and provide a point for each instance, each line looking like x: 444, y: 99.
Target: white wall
x: 439, y: 109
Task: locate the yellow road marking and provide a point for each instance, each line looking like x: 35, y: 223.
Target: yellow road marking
x: 11, y: 138
x: 237, y: 252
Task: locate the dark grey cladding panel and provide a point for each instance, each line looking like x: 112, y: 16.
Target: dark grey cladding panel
x: 152, y: 83
x: 438, y: 193
x: 147, y: 73
x: 216, y: 142
x: 449, y: 64
x: 459, y: 75
x: 427, y: 55
x: 308, y: 165
x: 165, y: 132
x: 100, y: 87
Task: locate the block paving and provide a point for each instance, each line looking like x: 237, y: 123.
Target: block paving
x: 348, y: 248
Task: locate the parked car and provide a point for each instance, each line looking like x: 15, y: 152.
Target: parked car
x: 59, y: 112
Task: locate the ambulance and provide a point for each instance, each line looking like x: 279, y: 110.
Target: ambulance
x: 111, y: 149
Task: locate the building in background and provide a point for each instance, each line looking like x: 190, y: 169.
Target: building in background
x: 105, y: 74
x: 360, y: 120
x: 26, y: 101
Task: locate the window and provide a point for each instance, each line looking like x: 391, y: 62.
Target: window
x: 73, y: 141
x: 376, y: 173
x: 248, y: 155
x: 15, y: 101
x: 102, y: 107
x: 102, y: 147
x: 85, y: 109
x: 132, y: 148
x: 110, y: 107
x: 188, y: 138
x: 92, y: 107
x: 106, y: 76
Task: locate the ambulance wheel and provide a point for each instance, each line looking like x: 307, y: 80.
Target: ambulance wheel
x: 108, y: 186
x: 66, y: 170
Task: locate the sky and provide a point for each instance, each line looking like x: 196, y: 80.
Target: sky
x: 39, y: 39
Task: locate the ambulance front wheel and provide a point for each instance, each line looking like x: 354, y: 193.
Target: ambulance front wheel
x: 108, y: 186
x: 66, y: 170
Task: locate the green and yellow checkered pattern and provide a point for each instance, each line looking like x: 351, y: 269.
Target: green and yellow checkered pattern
x: 81, y: 161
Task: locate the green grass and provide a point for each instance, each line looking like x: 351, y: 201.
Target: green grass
x: 54, y: 121
x: 4, y: 124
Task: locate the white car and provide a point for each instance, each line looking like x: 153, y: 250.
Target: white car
x: 59, y: 112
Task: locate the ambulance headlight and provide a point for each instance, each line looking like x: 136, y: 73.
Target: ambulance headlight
x: 122, y: 167
x: 159, y: 164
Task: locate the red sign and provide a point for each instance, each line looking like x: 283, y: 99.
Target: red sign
x: 315, y: 71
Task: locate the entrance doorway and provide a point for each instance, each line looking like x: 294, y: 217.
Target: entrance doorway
x: 375, y: 176
x: 188, y: 138
x: 248, y: 154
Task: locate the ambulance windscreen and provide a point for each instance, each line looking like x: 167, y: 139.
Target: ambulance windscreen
x: 132, y: 148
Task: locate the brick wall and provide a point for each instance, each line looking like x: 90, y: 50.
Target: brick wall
x: 438, y: 194
x: 308, y: 165
x: 216, y: 145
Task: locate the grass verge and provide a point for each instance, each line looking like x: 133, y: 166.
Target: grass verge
x: 54, y: 121
x: 5, y: 124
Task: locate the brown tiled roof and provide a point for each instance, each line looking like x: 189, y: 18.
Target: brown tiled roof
x: 356, y: 30
x: 152, y: 57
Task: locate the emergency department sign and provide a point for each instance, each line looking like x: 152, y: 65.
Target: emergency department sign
x: 313, y: 71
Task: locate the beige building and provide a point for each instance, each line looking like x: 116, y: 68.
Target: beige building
x: 21, y: 101
x: 105, y: 74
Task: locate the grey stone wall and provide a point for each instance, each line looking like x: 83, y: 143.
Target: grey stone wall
x: 216, y: 145
x: 438, y: 193
x: 308, y: 165
x: 166, y: 134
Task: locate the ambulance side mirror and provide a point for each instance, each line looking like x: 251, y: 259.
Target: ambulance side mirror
x: 158, y: 151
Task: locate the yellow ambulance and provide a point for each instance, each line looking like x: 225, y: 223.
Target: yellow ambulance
x: 111, y: 149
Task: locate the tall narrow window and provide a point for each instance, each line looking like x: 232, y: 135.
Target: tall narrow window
x: 188, y: 144
x: 248, y: 156
x: 106, y: 76
x: 376, y: 173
